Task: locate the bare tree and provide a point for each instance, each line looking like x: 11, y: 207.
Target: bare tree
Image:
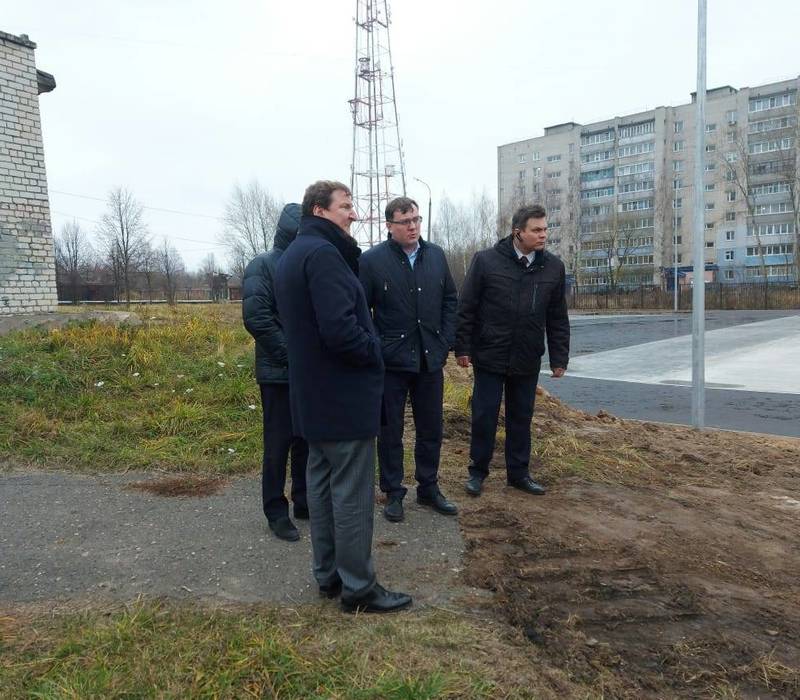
x: 251, y: 216
x: 125, y: 234
x: 148, y: 267
x: 170, y: 265
x: 74, y: 255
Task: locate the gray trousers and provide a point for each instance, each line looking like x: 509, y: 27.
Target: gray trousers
x: 340, y: 483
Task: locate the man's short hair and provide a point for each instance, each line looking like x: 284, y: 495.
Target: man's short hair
x: 529, y: 211
x: 401, y: 204
x: 321, y: 194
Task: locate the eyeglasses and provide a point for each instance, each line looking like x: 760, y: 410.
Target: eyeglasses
x: 407, y: 222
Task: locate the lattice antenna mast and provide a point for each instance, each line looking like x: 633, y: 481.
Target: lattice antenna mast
x: 377, y: 171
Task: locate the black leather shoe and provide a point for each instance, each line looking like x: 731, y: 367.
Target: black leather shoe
x: 284, y: 529
x: 300, y: 513
x: 378, y: 600
x: 474, y: 486
x: 331, y: 590
x: 528, y: 485
x: 393, y: 510
x: 439, y: 503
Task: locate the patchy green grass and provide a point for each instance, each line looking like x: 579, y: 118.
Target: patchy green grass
x: 176, y: 392
x: 152, y: 649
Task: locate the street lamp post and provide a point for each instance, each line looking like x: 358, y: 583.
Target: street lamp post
x: 429, y: 207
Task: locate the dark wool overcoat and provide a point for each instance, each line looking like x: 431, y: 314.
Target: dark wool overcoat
x: 335, y: 363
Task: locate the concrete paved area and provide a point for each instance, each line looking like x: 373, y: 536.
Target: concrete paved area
x: 66, y: 536
x: 639, y: 366
x: 763, y: 356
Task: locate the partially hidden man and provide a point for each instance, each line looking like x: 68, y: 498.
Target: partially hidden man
x: 413, y: 299
x: 513, y: 297
x: 335, y: 389
x: 261, y: 318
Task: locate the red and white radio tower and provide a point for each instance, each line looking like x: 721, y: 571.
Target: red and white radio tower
x: 377, y: 171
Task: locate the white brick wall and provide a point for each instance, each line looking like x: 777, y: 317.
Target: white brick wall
x: 27, y: 268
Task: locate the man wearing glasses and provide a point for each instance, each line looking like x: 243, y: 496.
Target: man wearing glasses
x: 513, y: 295
x: 409, y: 288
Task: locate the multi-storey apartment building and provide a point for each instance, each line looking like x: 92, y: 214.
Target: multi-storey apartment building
x: 619, y: 192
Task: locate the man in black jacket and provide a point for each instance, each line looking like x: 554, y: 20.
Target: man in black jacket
x: 335, y: 388
x: 513, y: 295
x: 413, y: 299
x: 260, y: 314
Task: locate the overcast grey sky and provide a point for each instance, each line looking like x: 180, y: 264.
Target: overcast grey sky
x: 178, y: 100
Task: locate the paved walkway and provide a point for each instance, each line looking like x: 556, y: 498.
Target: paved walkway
x: 66, y: 536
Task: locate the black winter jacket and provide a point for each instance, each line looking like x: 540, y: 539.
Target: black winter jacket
x: 414, y: 309
x: 335, y: 367
x: 259, y: 311
x: 505, y: 310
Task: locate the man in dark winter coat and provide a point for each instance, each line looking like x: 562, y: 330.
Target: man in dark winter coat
x: 413, y: 299
x: 335, y: 388
x: 513, y: 296
x: 260, y: 314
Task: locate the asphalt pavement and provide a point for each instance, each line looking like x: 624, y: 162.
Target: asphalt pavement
x: 639, y: 369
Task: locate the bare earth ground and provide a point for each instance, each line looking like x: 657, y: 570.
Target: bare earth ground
x: 679, y: 578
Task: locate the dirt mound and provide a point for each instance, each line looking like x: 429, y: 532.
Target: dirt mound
x: 664, y: 562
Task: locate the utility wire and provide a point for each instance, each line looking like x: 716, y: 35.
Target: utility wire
x: 161, y: 209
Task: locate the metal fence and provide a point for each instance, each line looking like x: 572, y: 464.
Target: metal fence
x: 757, y: 295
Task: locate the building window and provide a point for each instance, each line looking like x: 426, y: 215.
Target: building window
x: 677, y: 221
x: 731, y: 116
x: 770, y: 146
x: 636, y: 205
x: 640, y: 129
x: 732, y: 157
x: 777, y: 208
x: 710, y: 147
x: 728, y: 274
x: 536, y: 155
x: 593, y: 175
x: 771, y: 249
x: 730, y: 137
x: 537, y: 172
x: 710, y: 167
x: 770, y: 188
x: 729, y: 254
x: 597, y: 157
x: 709, y: 206
x: 710, y: 187
x: 598, y: 137
x: 677, y: 183
x: 522, y: 174
x: 677, y: 240
x: 730, y: 196
x: 645, y: 166
x: 709, y: 244
x: 554, y: 158
x: 522, y: 158
x: 771, y: 229
x: 678, y: 146
x: 730, y: 235
x: 677, y: 166
x: 730, y: 175
x: 759, y: 104
x: 639, y: 186
x: 678, y: 127
x: 554, y: 175
x: 730, y: 216
x: 636, y: 149
x: 760, y: 127
x: 679, y: 258
x: 597, y: 193
x: 710, y: 128
x: 677, y: 203
x: 710, y: 226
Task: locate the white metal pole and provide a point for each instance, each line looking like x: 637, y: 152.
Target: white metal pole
x: 699, y: 267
